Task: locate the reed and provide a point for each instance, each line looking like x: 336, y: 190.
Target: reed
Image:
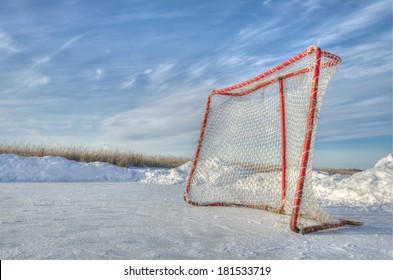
x: 84, y: 154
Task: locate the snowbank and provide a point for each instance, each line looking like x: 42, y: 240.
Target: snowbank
x: 370, y: 187
x: 15, y: 168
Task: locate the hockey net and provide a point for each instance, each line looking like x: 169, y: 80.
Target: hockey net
x: 256, y: 143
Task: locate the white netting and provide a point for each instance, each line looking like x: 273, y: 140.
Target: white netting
x: 239, y: 159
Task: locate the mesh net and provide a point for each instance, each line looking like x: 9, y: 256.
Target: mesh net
x: 239, y: 158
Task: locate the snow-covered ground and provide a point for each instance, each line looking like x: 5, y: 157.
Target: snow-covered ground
x: 53, y: 208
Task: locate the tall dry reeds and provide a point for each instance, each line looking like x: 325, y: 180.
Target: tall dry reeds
x: 84, y: 154
x: 112, y: 156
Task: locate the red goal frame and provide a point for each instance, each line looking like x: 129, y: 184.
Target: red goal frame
x: 333, y: 60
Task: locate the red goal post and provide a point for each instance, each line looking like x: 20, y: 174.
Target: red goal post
x: 237, y: 165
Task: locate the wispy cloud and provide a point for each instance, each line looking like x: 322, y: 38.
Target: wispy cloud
x: 37, y: 81
x: 349, y: 121
x: 29, y: 79
x: 48, y: 57
x: 355, y: 23
x: 42, y: 60
x: 98, y: 74
x: 7, y: 43
x: 169, y: 122
x: 159, y: 76
x: 365, y: 59
x: 311, y: 5
x: 197, y: 71
x: 257, y: 32
x: 68, y: 44
x: 162, y: 73
x: 128, y: 83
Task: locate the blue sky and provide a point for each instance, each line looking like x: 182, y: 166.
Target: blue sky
x: 135, y: 75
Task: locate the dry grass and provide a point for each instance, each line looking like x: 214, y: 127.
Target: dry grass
x: 119, y: 158
x: 277, y: 168
x: 340, y: 171
x: 83, y: 154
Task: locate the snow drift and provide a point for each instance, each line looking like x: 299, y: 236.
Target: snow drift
x: 15, y: 168
x: 370, y: 187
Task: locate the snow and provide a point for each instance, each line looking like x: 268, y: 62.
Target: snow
x: 53, y: 208
x: 15, y: 168
x: 372, y: 187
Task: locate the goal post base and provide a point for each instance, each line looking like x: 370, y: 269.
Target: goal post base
x: 227, y: 204
x: 279, y: 210
x: 323, y: 227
